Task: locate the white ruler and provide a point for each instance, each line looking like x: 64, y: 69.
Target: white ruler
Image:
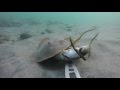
x: 71, y: 71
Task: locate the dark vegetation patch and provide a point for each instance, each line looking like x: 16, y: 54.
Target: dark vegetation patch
x: 24, y: 36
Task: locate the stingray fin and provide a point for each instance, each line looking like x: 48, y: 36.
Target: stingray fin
x: 42, y: 41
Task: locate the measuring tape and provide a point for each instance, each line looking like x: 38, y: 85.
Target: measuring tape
x: 71, y: 71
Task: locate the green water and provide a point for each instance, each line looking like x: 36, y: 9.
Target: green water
x: 66, y: 17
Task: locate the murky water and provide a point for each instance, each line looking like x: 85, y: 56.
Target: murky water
x: 22, y: 32
x: 65, y: 17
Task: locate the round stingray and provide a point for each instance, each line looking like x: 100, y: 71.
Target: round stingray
x: 50, y: 48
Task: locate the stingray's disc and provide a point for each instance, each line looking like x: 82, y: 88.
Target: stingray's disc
x: 50, y: 48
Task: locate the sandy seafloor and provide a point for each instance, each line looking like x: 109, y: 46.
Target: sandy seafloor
x: 16, y: 55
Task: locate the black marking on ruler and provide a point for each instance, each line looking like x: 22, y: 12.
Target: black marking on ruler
x: 71, y: 71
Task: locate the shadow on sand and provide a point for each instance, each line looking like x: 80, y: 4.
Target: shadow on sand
x: 52, y: 64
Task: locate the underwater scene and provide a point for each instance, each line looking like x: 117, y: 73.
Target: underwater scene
x: 59, y: 44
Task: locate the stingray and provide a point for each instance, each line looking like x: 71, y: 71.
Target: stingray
x: 49, y: 48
